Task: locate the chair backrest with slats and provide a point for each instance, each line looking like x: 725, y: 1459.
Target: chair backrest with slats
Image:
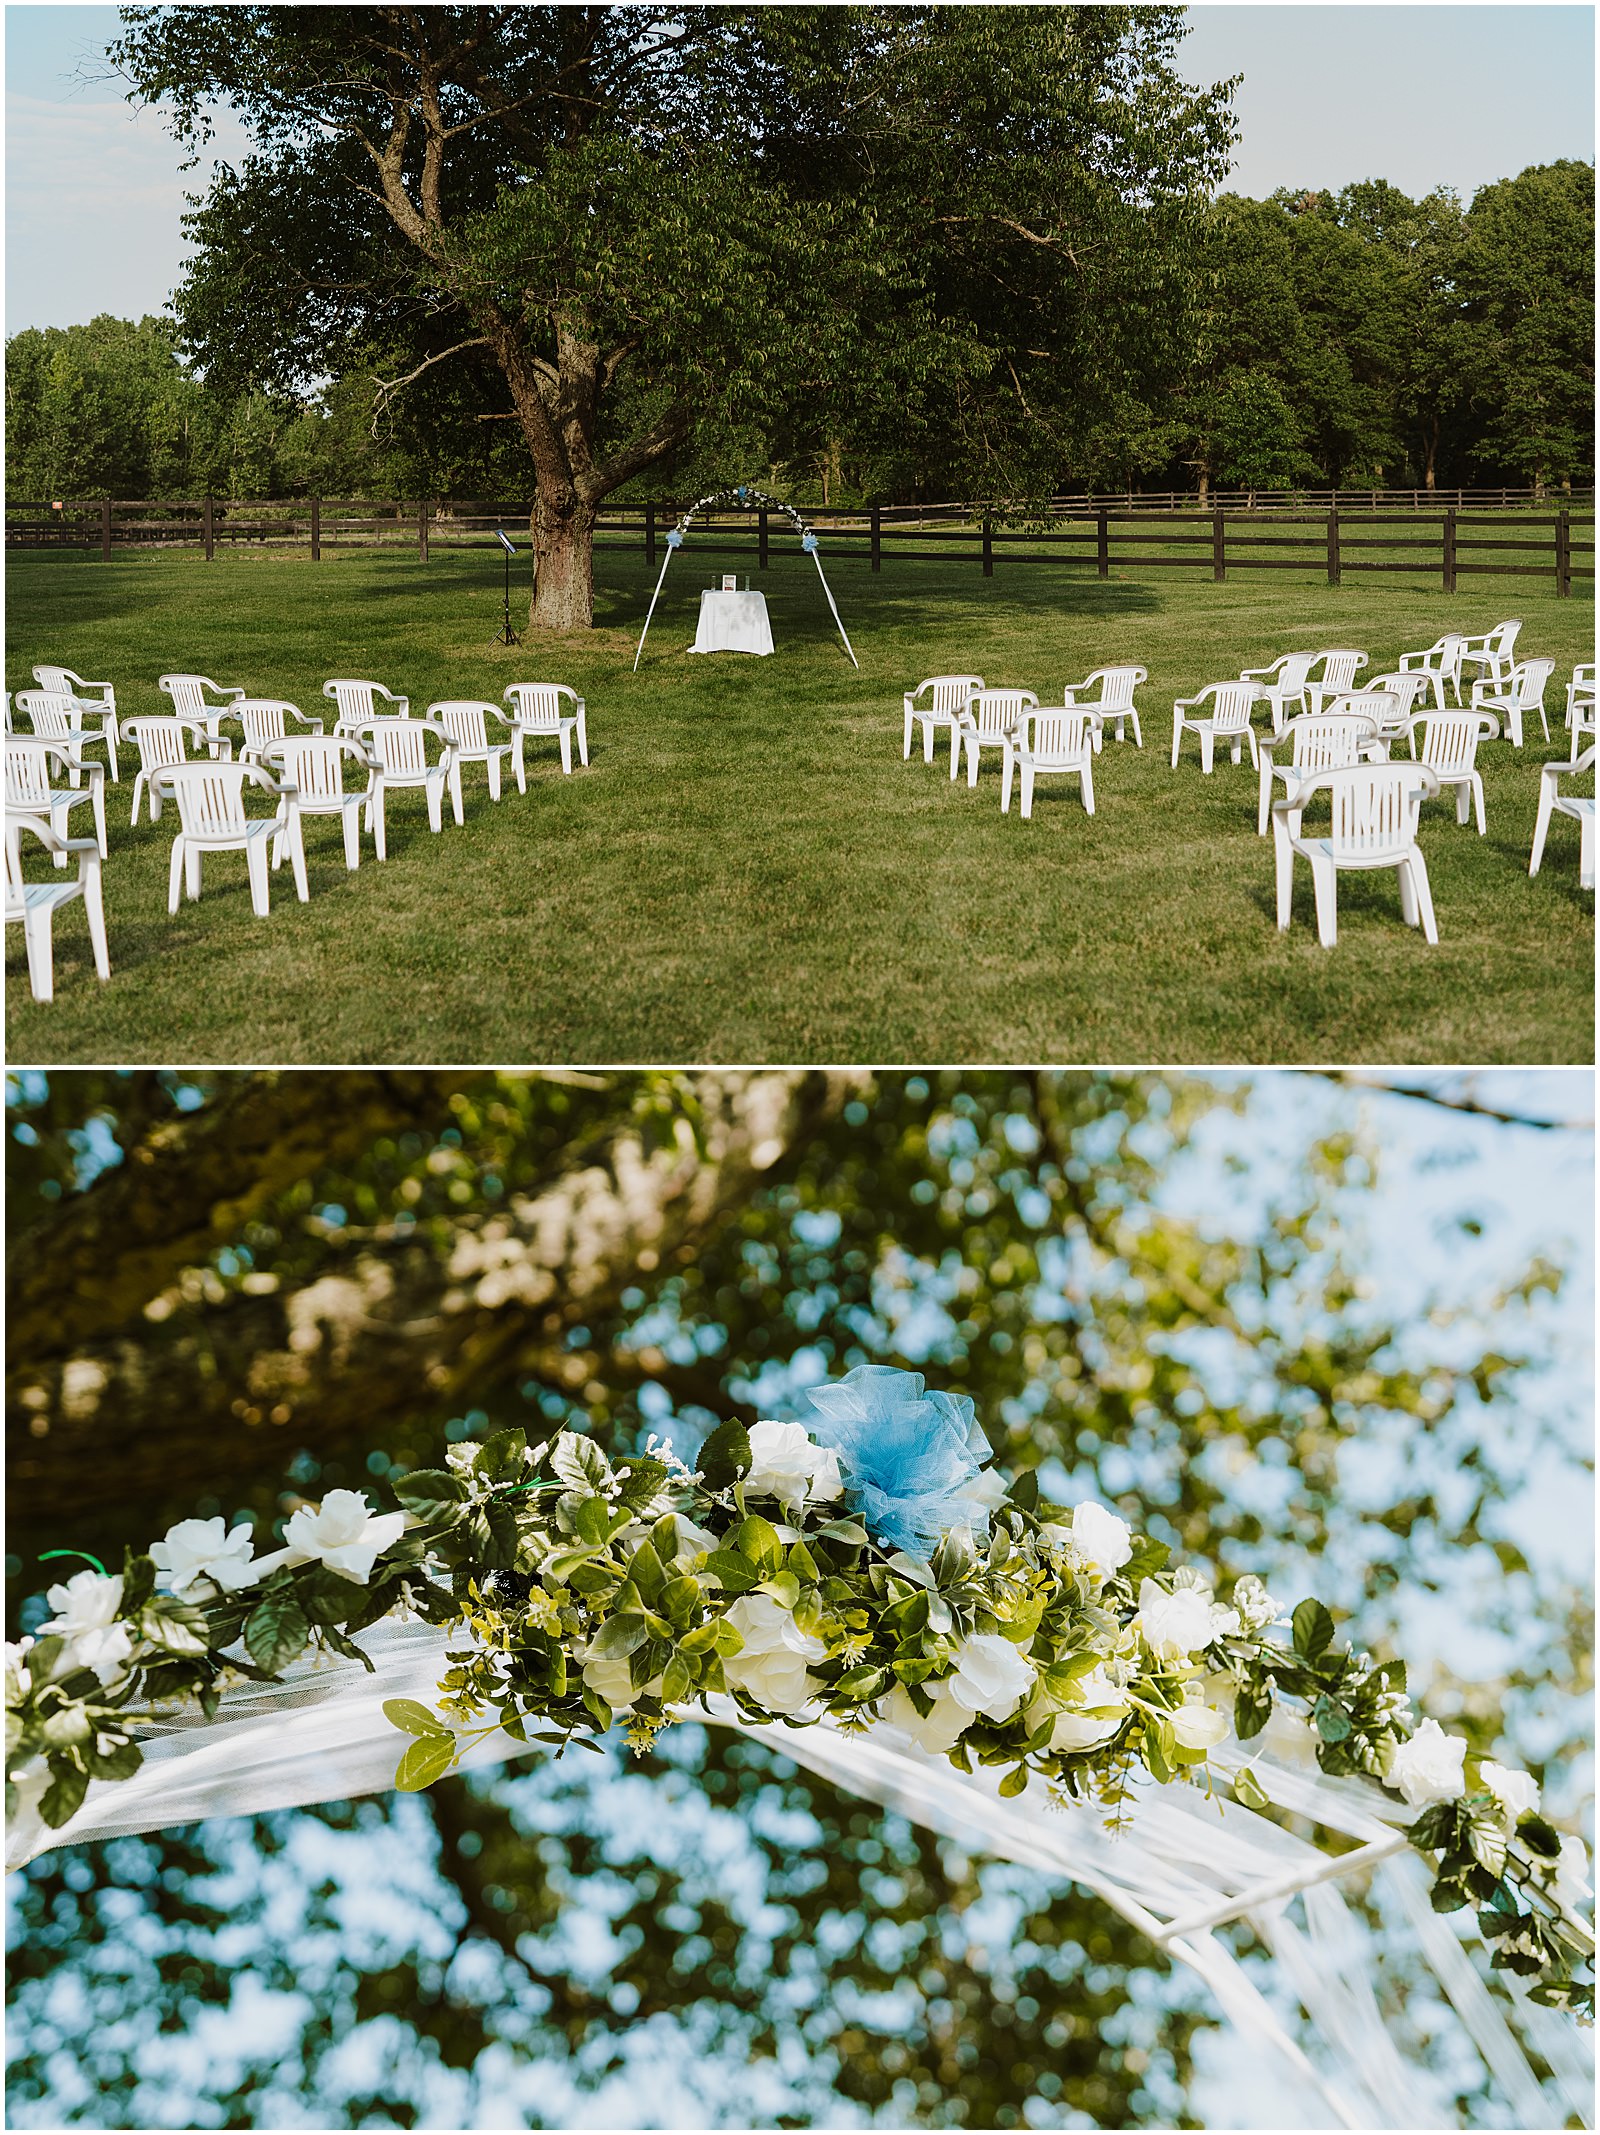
x: 1375, y: 809
x: 188, y: 694
x: 1404, y: 689
x: 53, y: 715
x: 463, y: 719
x: 1442, y: 658
x: 312, y: 763
x: 1057, y: 736
x: 947, y: 693
x: 210, y: 797
x: 1230, y: 706
x: 28, y: 761
x: 356, y: 701
x: 1324, y: 741
x: 1504, y: 636
x: 398, y: 746
x: 996, y: 711
x: 1340, y: 666
x: 264, y: 719
x: 1117, y: 685
x: 1450, y: 739
x: 538, y: 707
x: 1528, y: 682
x: 61, y: 680
x: 1293, y: 672
x: 163, y: 738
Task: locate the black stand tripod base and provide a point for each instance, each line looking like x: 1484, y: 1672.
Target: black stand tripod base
x: 506, y: 635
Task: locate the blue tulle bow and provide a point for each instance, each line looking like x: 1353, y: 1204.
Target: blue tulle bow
x: 808, y: 542
x: 908, y: 1455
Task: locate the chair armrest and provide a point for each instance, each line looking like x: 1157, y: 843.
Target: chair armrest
x: 1261, y: 674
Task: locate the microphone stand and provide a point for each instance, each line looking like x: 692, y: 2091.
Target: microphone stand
x: 507, y: 635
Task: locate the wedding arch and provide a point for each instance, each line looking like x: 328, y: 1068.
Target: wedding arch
x: 864, y: 1594
x: 744, y: 495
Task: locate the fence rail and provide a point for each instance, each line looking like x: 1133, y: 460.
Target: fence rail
x: 1449, y: 543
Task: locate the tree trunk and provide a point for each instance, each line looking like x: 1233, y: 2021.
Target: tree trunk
x: 563, y: 580
x: 1205, y: 486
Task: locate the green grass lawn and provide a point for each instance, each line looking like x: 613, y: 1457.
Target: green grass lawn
x: 748, y: 871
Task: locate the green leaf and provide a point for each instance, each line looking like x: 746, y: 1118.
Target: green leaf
x: 619, y: 1636
x: 593, y: 1521
x: 426, y: 1489
x: 757, y: 1539
x: 275, y: 1632
x: 597, y: 1708
x: 119, y: 1762
x: 1252, y: 1708
x: 1447, y: 1895
x: 735, y: 1573
x: 1025, y: 1490
x: 1333, y: 1723
x: 1147, y: 1558
x: 861, y: 1682
x: 646, y: 1571
x: 1015, y: 1780
x: 1249, y: 1791
x: 61, y: 1798
x: 725, y: 1456
x: 676, y: 1680
x: 424, y: 1762
x: 850, y: 1532
x: 503, y: 1457
x: 784, y: 1588
x: 578, y: 1461
x: 413, y: 1718
x: 177, y: 1628
x: 66, y: 1725
x: 1313, y: 1630
x: 1542, y: 1837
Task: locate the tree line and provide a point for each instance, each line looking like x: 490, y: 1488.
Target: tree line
x: 608, y: 252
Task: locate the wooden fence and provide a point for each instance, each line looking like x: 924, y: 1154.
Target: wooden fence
x: 1448, y: 543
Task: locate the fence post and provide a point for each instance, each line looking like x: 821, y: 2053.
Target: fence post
x: 1102, y: 544
x: 1333, y: 545
x: 1450, y: 548
x: 877, y: 538
x: 988, y: 548
x: 649, y: 535
x: 1563, y: 553
x: 422, y: 529
x: 105, y: 538
x: 761, y: 538
x: 1219, y: 546
x: 208, y: 529
x: 316, y: 530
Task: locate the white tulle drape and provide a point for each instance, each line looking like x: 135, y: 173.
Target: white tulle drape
x: 1183, y: 1863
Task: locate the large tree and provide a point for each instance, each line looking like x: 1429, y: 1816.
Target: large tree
x: 632, y: 220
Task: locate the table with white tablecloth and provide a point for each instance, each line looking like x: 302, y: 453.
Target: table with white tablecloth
x: 733, y: 622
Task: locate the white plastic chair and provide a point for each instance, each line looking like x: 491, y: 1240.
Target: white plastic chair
x: 1283, y: 684
x: 1048, y: 741
x: 1115, y: 701
x: 1317, y: 741
x: 1439, y: 664
x: 355, y: 705
x: 1552, y: 801
x: 211, y: 810
x: 163, y: 738
x: 1493, y: 651
x: 989, y: 720
x: 1581, y: 699
x: 399, y: 752
x: 536, y: 708
x: 61, y: 720
x: 1521, y: 691
x: 264, y: 719
x: 98, y: 697
x: 466, y: 721
x: 35, y: 904
x: 1375, y: 810
x: 189, y: 701
x: 1394, y: 715
x: 948, y: 696
x: 310, y: 770
x: 1450, y: 751
x: 1339, y: 670
x: 29, y: 791
x: 1228, y: 721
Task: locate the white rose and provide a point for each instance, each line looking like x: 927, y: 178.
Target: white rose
x: 197, y: 1550
x: 1428, y: 1767
x: 1104, y: 1542
x: 940, y: 1730
x: 1198, y: 1727
x: 1570, y: 1885
x: 694, y: 1537
x: 1515, y: 1793
x: 991, y: 1676
x: 1103, y: 1707
x: 105, y: 1649
x: 344, y: 1532
x: 771, y: 1667
x: 787, y: 1464
x: 1173, y: 1625
x: 87, y: 1602
x: 611, y: 1681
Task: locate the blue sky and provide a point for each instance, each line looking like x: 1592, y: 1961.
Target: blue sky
x: 1423, y: 96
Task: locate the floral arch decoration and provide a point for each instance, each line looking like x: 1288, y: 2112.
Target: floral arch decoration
x: 867, y: 1595
x: 742, y: 494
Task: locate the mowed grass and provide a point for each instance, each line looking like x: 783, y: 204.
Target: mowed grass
x: 748, y: 871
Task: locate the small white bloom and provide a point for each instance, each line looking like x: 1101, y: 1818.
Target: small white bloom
x: 1174, y: 1625
x: 198, y: 1550
x: 787, y: 1464
x: 771, y: 1667
x: 87, y: 1602
x: 992, y: 1676
x: 1198, y: 1727
x: 344, y: 1532
x: 987, y: 1487
x: 1225, y: 1623
x: 106, y: 1648
x: 18, y: 1679
x: 1104, y: 1541
x: 612, y: 1681
x: 1102, y: 1707
x: 940, y: 1730
x: 1516, y: 1793
x: 1570, y: 1885
x: 1255, y: 1605
x: 1428, y: 1766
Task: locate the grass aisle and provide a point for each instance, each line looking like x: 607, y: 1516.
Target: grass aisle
x: 748, y: 871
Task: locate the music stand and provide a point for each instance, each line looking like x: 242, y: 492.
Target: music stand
x: 507, y: 636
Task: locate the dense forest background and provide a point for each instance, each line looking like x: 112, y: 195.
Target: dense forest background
x: 1345, y: 339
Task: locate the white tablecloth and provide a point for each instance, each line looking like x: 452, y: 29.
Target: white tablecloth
x: 733, y: 622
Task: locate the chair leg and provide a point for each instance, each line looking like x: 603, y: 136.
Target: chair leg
x: 1138, y: 738
x: 519, y: 766
x: 583, y: 739
x: 910, y: 721
x: 61, y: 824
x: 95, y: 913
x: 1208, y: 750
x: 255, y: 860
x: 1177, y: 737
x: 1417, y: 867
x: 1409, y: 910
x: 377, y: 823
x: 435, y: 801
x: 566, y: 751
x: 1477, y: 798
x: 972, y: 761
x: 191, y: 871
x: 455, y: 793
x: 351, y: 822
x: 1586, y: 852
x: 1283, y: 871
x: 1087, y: 783
x: 1027, y: 793
x: 41, y: 954
x: 1541, y: 828
x: 99, y: 806
x: 1324, y: 884
x: 297, y: 858
x: 111, y: 750
x: 955, y: 751
x: 1006, y: 771
x: 176, y: 875
x: 138, y: 788
x: 1264, y: 802
x: 1463, y: 799
x: 1543, y: 721
x: 494, y: 778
